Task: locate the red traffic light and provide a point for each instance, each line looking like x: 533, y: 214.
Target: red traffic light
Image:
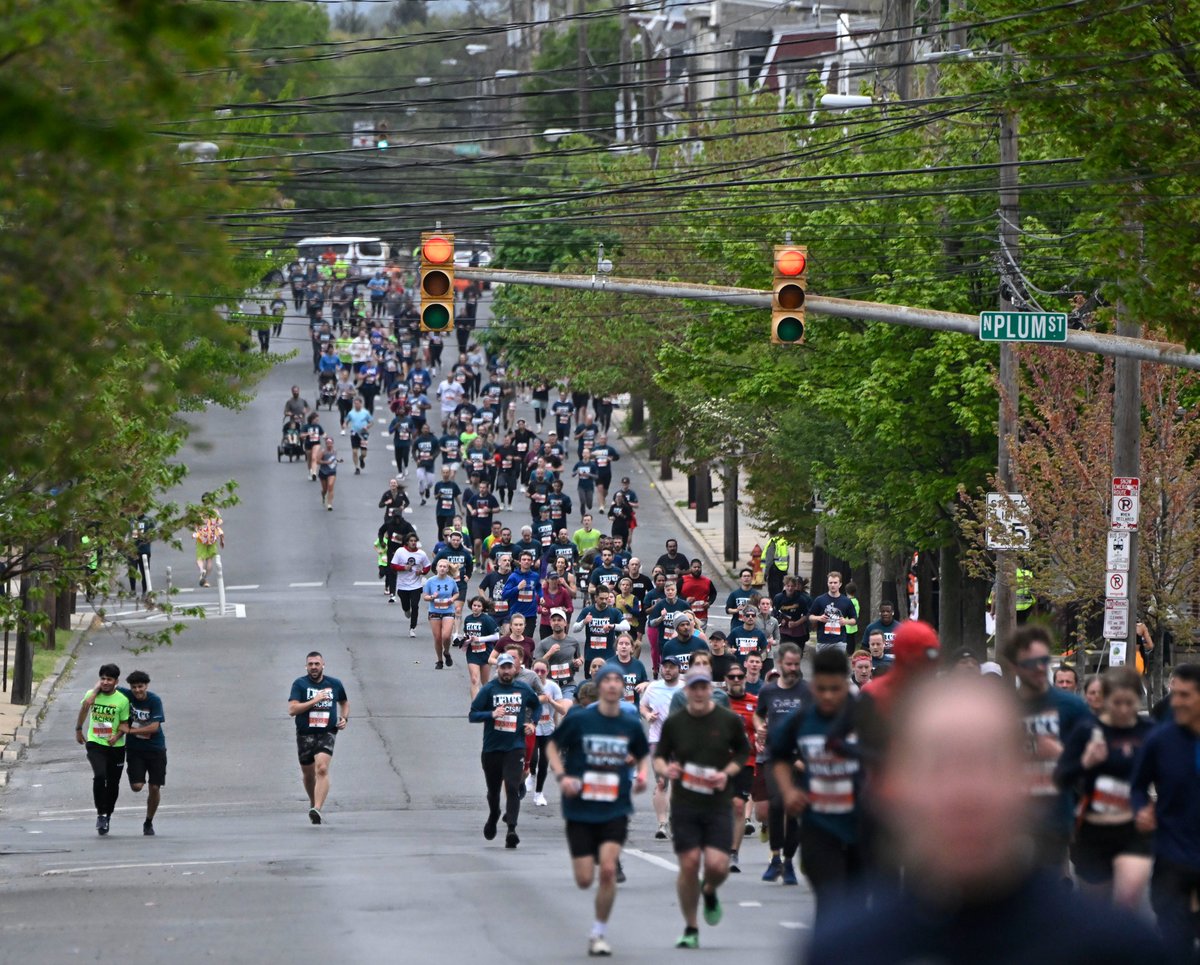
x: 437, y: 250
x: 791, y: 262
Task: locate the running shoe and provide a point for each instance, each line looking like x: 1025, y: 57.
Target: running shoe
x: 329, y: 506
x: 749, y: 828
x: 438, y: 666
x: 733, y: 864
x: 599, y: 947
x: 357, y: 470
x: 391, y: 598
x: 412, y: 633
x: 449, y: 659
x: 530, y: 783
x: 661, y: 833
x: 774, y: 869
x: 712, y: 908
x: 489, y: 829
x: 314, y: 815
x: 148, y: 828
x: 99, y: 822
x: 539, y: 800
x: 511, y: 840
x: 620, y: 873
x: 102, y: 824
x: 689, y: 939
x: 789, y: 874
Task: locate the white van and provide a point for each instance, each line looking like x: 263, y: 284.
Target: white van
x: 372, y: 253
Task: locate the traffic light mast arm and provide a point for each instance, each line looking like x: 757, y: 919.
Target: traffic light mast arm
x: 1116, y: 346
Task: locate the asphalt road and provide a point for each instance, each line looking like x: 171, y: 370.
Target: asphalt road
x: 400, y: 870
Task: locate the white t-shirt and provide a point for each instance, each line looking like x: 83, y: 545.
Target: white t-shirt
x: 657, y: 698
x: 451, y: 394
x: 410, y: 578
x: 545, y: 721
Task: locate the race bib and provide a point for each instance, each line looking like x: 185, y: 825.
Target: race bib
x: 600, y: 786
x: 525, y: 595
x: 318, y: 718
x: 442, y: 601
x: 1111, y: 796
x: 747, y: 646
x: 695, y: 778
x: 478, y: 646
x: 102, y: 729
x: 507, y: 724
x: 560, y: 671
x: 833, y: 627
x: 831, y: 795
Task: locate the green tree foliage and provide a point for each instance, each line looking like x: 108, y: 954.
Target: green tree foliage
x: 556, y: 84
x: 113, y: 266
x: 1120, y: 84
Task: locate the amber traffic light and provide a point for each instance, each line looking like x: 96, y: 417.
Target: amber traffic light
x: 787, y: 294
x: 437, y: 282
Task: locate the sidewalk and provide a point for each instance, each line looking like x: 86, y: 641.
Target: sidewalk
x: 708, y: 538
x: 19, y: 721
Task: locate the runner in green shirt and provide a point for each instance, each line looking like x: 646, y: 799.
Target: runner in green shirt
x: 105, y: 710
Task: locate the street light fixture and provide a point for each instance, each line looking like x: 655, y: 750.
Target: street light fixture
x: 834, y: 102
x: 474, y: 49
x: 556, y: 134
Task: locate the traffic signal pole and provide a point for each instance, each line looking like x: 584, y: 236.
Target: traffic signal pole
x: 1096, y: 343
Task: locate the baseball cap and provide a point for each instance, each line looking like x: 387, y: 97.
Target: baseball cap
x: 915, y: 643
x: 624, y: 479
x: 699, y: 675
x: 506, y: 660
x: 558, y: 612
x: 990, y: 668
x: 674, y: 660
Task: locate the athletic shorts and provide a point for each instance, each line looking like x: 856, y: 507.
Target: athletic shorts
x: 758, y: 783
x: 1096, y: 845
x: 356, y: 441
x: 309, y: 745
x: 584, y: 838
x: 693, y: 828
x: 743, y: 783
x: 146, y: 766
x: 206, y: 551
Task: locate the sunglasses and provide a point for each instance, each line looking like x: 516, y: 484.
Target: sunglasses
x: 1033, y: 663
x: 731, y: 676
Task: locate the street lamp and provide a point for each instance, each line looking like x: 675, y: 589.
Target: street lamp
x: 474, y: 49
x: 556, y: 134
x: 834, y: 102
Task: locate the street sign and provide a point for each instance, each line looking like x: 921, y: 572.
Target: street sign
x: 1023, y: 326
x: 1116, y: 653
x: 1118, y: 553
x: 1116, y: 585
x: 1116, y: 619
x: 1007, y: 522
x: 1126, y: 503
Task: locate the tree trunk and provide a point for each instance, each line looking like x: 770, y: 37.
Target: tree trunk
x: 22, y: 677
x: 49, y: 605
x: 703, y: 492
x: 950, y: 599
x: 729, y: 486
x: 637, y: 410
x: 927, y: 587
x: 867, y: 605
x: 65, y: 604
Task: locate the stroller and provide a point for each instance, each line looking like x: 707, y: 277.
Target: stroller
x: 290, y: 444
x: 327, y: 387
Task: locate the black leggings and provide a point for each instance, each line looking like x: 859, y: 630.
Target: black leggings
x: 540, y: 763
x: 410, y: 600
x: 344, y: 407
x: 784, y: 831
x: 401, y: 455
x: 504, y: 767
x: 107, y: 765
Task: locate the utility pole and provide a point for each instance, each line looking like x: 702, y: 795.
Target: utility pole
x: 1004, y: 597
x: 1127, y: 445
x: 581, y: 67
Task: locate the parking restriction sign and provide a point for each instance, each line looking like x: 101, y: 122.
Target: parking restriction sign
x: 1118, y: 552
x: 1126, y: 503
x: 1116, y: 619
x: 1116, y: 585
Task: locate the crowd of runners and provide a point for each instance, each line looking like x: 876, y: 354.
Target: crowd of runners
x: 965, y: 805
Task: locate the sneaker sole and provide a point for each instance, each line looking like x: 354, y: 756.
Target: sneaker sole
x: 314, y: 815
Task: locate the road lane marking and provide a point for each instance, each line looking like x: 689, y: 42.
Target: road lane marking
x: 298, y: 585
x: 652, y: 859
x: 366, y: 582
x: 131, y: 867
x: 57, y: 813
x: 244, y: 586
x: 794, y: 925
x: 749, y: 904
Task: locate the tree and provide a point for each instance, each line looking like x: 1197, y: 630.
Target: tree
x: 558, y: 102
x: 1062, y: 462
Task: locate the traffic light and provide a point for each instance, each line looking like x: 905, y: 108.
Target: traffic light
x: 437, y: 282
x: 787, y: 294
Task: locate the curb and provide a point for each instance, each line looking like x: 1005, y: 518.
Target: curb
x: 12, y: 751
x: 713, y: 562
